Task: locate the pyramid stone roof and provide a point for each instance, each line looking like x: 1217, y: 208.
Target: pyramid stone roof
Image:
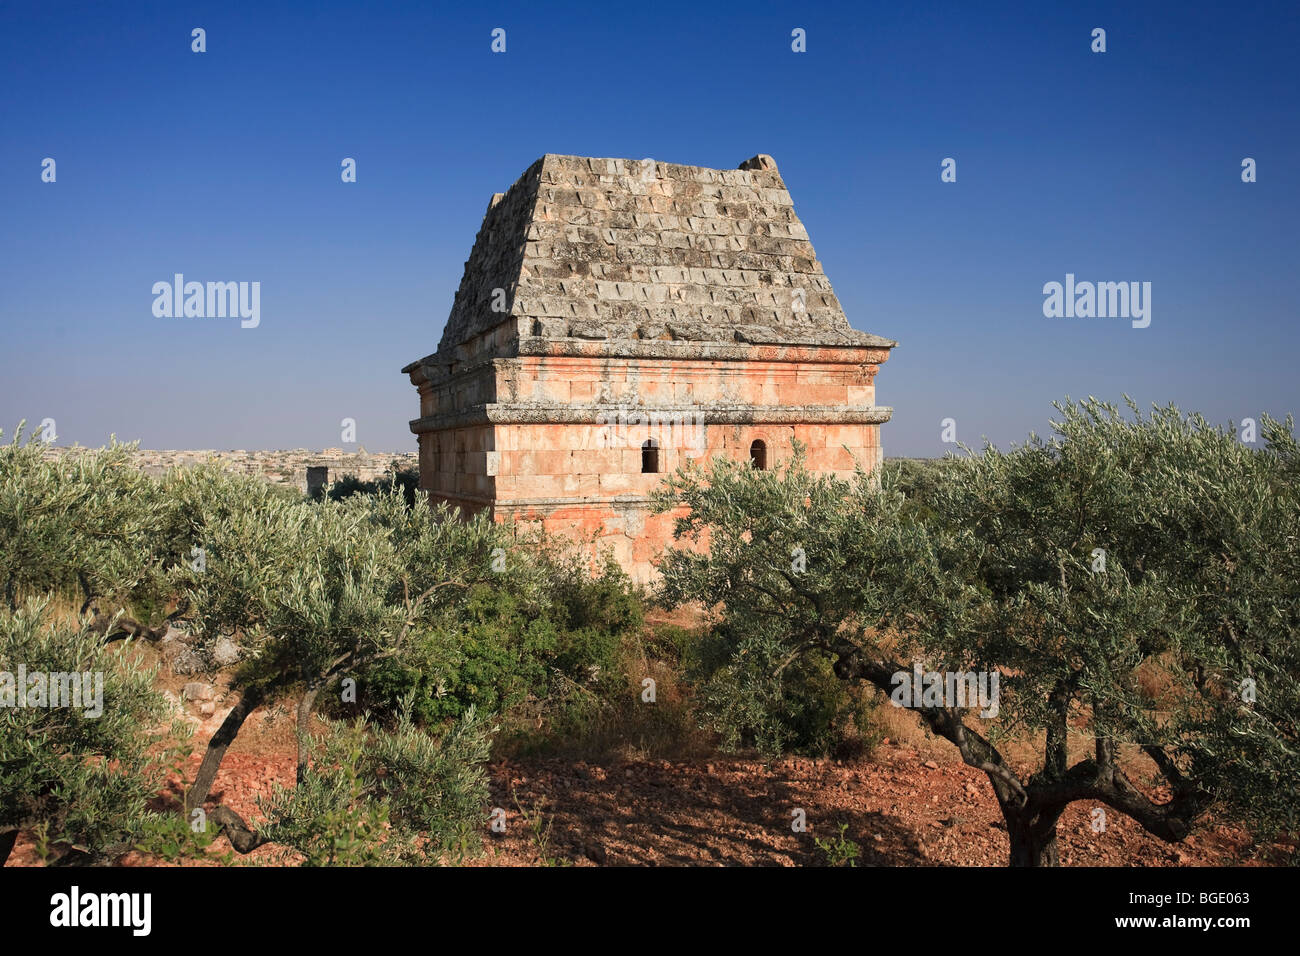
x: 638, y: 251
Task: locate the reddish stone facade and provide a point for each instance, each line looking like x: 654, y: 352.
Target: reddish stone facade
x: 573, y: 377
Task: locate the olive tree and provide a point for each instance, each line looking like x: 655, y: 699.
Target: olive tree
x: 319, y: 591
x: 315, y: 593
x: 89, y: 745
x: 1129, y: 580
x: 87, y: 522
x: 377, y: 795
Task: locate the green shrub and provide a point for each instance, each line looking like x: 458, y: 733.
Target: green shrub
x: 919, y: 480
x: 83, y: 779
x: 752, y: 701
x: 87, y: 524
x: 329, y: 818
x: 516, y: 637
x: 374, y: 796
x: 840, y: 851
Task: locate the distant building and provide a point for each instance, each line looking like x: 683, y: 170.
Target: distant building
x: 619, y: 316
x: 318, y: 476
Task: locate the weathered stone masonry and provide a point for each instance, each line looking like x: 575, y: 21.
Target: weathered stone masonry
x: 608, y: 292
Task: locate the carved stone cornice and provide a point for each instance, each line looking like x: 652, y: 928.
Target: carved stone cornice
x: 596, y: 413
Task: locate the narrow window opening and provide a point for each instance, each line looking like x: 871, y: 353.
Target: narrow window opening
x: 650, y: 457
x: 758, y: 455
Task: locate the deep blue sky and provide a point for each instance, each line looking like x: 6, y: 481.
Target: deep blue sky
x: 225, y: 166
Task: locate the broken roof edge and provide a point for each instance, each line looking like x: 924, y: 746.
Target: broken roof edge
x: 759, y: 162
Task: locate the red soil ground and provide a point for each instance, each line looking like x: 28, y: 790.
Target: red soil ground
x: 902, y: 808
x: 911, y: 803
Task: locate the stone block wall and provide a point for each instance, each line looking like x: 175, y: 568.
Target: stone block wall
x: 556, y: 439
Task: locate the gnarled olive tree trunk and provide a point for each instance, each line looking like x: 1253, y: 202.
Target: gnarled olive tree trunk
x: 1032, y: 809
x: 219, y: 744
x: 1033, y: 836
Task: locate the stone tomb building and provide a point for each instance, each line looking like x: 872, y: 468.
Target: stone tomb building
x: 617, y: 317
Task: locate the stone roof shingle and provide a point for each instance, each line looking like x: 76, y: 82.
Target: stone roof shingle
x: 623, y: 249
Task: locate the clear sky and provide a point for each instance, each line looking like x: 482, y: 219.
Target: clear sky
x: 225, y: 166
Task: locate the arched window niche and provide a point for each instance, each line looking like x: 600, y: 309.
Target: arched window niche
x: 650, y: 457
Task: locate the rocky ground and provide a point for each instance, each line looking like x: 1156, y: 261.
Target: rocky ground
x: 900, y: 808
